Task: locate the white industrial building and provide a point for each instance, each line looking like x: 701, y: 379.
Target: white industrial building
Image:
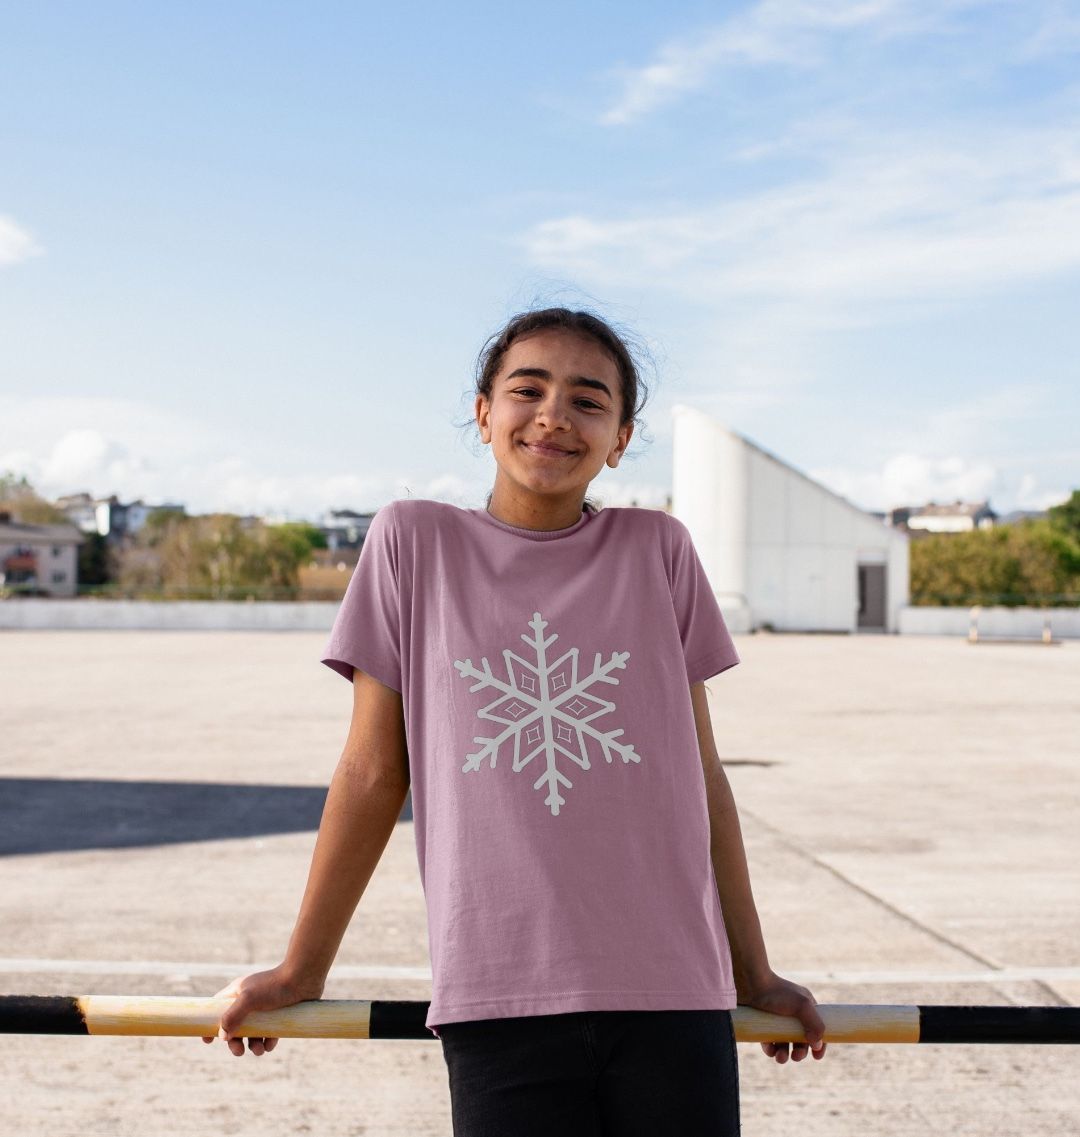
x: 781, y: 550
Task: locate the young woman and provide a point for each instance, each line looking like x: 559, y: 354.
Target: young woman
x: 535, y: 671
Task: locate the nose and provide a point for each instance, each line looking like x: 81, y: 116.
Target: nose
x: 552, y: 412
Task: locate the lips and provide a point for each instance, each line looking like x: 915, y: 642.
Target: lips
x: 546, y: 448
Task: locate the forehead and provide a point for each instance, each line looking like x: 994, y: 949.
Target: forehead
x: 563, y: 353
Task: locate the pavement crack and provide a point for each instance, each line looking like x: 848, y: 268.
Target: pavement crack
x: 927, y: 929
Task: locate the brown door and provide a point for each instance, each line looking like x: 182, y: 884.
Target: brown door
x: 872, y: 597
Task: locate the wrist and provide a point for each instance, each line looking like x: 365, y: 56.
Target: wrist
x: 304, y: 977
x: 751, y: 979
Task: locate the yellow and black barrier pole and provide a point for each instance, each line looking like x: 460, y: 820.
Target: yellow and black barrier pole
x: 358, y: 1018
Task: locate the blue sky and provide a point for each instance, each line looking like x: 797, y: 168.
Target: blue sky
x: 248, y: 252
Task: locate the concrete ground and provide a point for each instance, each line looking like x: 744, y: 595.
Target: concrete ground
x: 909, y: 807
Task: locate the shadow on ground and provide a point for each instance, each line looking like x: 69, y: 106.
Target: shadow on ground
x: 51, y: 815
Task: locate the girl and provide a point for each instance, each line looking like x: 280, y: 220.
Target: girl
x: 590, y: 916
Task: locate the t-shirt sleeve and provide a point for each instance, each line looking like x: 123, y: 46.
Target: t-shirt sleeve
x: 707, y: 644
x: 366, y: 630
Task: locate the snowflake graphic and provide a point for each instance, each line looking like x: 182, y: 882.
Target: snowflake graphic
x: 547, y: 711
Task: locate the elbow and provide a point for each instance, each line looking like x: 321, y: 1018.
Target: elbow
x: 375, y: 772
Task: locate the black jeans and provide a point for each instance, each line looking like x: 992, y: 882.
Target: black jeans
x: 594, y: 1074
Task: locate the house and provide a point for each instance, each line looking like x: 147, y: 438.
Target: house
x: 960, y: 517
x: 80, y: 509
x: 344, y: 528
x: 108, y: 516
x: 38, y: 559
x: 781, y: 550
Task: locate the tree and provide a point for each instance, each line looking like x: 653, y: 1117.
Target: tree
x: 217, y: 556
x: 159, y: 521
x: 1066, y: 517
x: 306, y: 535
x: 93, y: 560
x: 19, y: 498
x: 1032, y: 562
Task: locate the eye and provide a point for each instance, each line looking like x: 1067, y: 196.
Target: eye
x: 589, y: 405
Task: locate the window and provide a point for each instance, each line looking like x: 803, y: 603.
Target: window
x: 56, y: 550
x: 59, y: 577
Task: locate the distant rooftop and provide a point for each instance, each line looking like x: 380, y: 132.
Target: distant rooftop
x: 47, y: 534
x: 956, y: 509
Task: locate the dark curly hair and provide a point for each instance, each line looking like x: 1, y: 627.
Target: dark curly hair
x: 584, y: 323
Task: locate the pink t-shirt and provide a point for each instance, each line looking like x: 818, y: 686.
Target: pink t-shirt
x: 561, y: 823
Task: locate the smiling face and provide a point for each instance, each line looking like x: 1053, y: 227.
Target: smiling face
x: 553, y: 423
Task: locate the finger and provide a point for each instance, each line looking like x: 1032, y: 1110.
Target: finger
x: 233, y: 1016
x: 781, y: 1052
x: 769, y: 1048
x: 799, y: 1051
x: 257, y: 1046
x: 820, y: 1052
x: 236, y: 1047
x: 271, y: 1043
x: 812, y: 1022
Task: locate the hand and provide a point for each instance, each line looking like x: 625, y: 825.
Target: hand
x: 782, y: 997
x: 260, y: 991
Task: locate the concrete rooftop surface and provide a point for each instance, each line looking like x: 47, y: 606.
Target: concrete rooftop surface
x: 909, y: 805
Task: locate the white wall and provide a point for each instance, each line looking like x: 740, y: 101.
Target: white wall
x: 993, y: 623
x: 898, y: 582
x: 191, y: 615
x: 710, y: 495
x: 779, y: 548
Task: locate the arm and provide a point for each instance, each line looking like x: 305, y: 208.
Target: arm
x: 756, y: 984
x: 362, y: 806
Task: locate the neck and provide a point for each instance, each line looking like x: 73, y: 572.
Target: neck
x: 542, y: 515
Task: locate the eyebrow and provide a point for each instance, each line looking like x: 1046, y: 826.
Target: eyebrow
x: 542, y: 373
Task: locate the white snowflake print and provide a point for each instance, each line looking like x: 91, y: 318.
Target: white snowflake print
x: 549, y: 709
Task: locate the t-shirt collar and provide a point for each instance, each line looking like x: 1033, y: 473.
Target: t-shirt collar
x: 534, y: 534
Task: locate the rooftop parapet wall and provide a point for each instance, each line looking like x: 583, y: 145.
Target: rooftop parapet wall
x: 991, y: 623
x: 30, y: 613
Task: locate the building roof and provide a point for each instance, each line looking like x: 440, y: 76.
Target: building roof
x: 957, y: 509
x: 15, y: 532
x: 820, y: 487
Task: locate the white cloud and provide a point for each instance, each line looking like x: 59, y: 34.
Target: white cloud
x: 982, y: 424
x: 941, y: 455
x: 650, y: 495
x: 236, y: 485
x: 912, y: 220
x: 15, y: 243
x: 103, y: 446
x: 246, y: 489
x: 789, y: 32
x: 918, y: 479
x: 912, y: 479
x: 81, y: 455
x: 1031, y: 495
x: 466, y: 492
x: 1057, y: 34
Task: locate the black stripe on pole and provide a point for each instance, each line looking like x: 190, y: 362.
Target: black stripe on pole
x: 391, y: 1019
x: 999, y: 1024
x: 41, y: 1014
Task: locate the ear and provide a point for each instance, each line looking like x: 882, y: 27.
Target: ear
x: 482, y: 410
x: 621, y: 443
